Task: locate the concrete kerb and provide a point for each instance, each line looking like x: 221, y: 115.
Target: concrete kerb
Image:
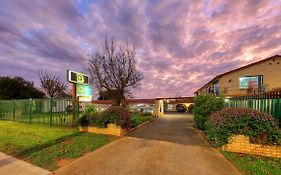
x: 133, y: 129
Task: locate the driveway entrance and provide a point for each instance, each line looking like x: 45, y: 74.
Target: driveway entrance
x: 166, y: 146
x: 174, y: 127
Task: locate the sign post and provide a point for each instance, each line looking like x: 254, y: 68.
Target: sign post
x: 73, y: 104
x: 81, y: 82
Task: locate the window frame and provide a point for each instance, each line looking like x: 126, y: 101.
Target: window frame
x: 259, y: 81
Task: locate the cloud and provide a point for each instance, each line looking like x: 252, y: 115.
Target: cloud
x: 180, y: 44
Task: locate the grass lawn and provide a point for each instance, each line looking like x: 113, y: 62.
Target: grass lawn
x: 47, y: 147
x: 254, y: 165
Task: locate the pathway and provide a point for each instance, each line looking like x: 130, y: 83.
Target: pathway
x: 12, y: 166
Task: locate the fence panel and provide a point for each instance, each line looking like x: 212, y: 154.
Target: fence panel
x: 271, y: 105
x: 57, y: 112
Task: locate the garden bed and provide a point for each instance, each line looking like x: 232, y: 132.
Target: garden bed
x: 241, y: 144
x: 240, y: 130
x: 116, y: 120
x: 138, y: 119
x: 111, y: 129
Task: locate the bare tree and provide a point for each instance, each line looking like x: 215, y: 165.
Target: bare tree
x: 113, y: 70
x: 52, y: 85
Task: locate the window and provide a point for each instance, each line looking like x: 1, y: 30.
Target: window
x: 216, y: 88
x: 170, y: 107
x: 250, y: 82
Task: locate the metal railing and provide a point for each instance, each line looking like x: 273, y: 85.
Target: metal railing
x: 237, y: 91
x: 56, y: 112
x: 268, y: 102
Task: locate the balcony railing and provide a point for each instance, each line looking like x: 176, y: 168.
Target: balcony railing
x: 236, y: 91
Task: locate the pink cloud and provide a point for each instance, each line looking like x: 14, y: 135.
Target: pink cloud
x: 180, y: 44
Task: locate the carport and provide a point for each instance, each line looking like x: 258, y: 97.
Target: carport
x: 171, y: 105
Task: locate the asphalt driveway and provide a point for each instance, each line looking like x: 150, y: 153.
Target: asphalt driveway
x: 166, y: 146
x: 174, y: 127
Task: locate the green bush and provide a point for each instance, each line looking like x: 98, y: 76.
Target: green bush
x: 260, y: 127
x: 84, y: 120
x: 204, y: 105
x: 190, y: 108
x: 137, y: 119
x: 118, y: 115
x: 88, y: 116
x: 90, y: 109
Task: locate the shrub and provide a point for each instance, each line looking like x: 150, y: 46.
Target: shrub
x: 84, y: 120
x: 204, y: 105
x: 137, y: 119
x: 260, y: 127
x: 190, y: 108
x: 118, y: 115
x: 87, y: 116
x: 90, y: 109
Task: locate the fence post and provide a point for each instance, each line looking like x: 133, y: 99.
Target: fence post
x: 77, y: 111
x: 30, y: 109
x: 14, y: 110
x: 51, y: 112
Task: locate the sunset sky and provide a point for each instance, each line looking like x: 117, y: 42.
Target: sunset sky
x: 180, y: 44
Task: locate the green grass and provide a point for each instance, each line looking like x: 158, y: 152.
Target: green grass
x: 69, y: 148
x: 45, y: 146
x: 137, y: 119
x: 254, y: 165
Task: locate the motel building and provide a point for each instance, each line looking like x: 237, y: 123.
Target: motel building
x: 253, y: 79
x: 155, y: 106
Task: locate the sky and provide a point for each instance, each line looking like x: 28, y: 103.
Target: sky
x: 180, y: 45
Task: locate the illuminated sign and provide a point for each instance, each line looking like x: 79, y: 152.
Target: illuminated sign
x: 76, y: 77
x: 84, y: 92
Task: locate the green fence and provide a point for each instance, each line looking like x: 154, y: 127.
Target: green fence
x: 265, y: 104
x: 56, y: 112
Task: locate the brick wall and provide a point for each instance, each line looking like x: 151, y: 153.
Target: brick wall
x: 241, y: 144
x: 111, y: 129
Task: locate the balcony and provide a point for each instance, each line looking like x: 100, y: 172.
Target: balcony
x: 234, y: 91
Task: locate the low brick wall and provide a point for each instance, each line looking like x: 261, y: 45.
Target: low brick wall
x: 111, y: 129
x: 241, y: 144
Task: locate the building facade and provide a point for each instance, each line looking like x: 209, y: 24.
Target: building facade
x: 255, y: 78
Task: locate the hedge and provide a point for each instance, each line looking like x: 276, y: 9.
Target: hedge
x: 260, y: 127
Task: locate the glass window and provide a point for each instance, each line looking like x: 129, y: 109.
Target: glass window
x: 216, y: 88
x: 251, y: 82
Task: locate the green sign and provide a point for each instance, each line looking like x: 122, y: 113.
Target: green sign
x: 84, y: 92
x: 76, y: 77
